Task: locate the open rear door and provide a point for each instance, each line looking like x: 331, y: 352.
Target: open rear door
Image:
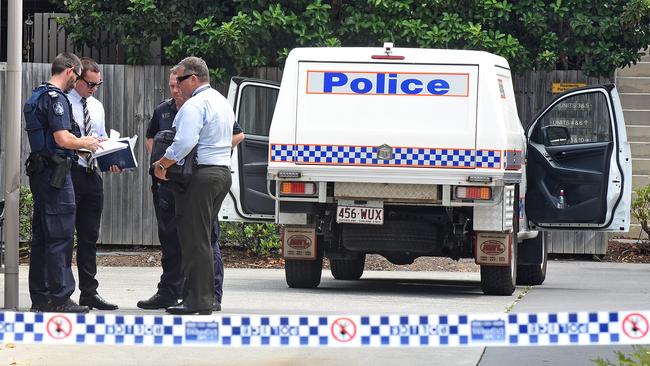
x: 254, y: 103
x: 579, y: 169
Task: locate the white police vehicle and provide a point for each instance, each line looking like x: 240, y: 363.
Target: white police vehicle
x: 420, y: 152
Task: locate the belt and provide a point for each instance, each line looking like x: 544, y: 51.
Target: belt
x: 212, y: 166
x: 85, y: 169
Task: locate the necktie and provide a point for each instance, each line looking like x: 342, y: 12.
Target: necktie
x: 87, y: 123
x: 87, y: 128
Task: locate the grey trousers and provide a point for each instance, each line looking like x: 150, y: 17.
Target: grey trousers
x: 196, y: 209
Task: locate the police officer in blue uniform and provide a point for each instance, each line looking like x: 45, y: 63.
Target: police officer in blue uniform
x: 53, y: 139
x: 171, y: 280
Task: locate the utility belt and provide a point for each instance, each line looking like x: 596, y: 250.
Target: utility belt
x: 60, y: 166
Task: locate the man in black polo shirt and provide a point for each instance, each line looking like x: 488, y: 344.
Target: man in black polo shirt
x: 171, y: 281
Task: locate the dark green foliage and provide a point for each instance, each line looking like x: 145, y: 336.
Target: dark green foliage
x: 263, y: 239
x: 641, y: 207
x: 237, y: 35
x: 640, y: 356
x: 25, y: 215
x: 134, y: 24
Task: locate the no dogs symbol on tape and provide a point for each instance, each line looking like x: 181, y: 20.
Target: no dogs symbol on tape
x: 635, y: 326
x: 343, y: 329
x: 59, y: 327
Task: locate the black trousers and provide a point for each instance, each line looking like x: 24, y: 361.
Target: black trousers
x: 171, y: 279
x: 89, y: 196
x: 197, y: 208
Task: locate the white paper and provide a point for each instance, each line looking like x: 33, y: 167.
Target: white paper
x: 108, y: 146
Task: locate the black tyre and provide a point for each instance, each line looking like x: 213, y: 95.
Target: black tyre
x: 348, y: 269
x: 535, y: 274
x: 502, y: 281
x: 303, y: 273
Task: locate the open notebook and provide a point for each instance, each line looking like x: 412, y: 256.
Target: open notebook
x: 116, y: 151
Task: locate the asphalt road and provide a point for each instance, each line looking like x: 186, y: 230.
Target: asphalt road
x: 577, y: 286
x: 570, y: 286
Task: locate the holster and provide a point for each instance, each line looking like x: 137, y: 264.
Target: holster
x: 60, y: 169
x: 35, y: 164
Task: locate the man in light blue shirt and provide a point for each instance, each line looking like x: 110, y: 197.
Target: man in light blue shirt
x: 205, y: 120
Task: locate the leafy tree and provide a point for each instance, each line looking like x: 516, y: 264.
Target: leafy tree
x: 237, y: 35
x: 134, y: 24
x: 532, y: 34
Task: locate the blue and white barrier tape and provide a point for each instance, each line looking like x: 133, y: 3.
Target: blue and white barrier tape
x: 514, y: 329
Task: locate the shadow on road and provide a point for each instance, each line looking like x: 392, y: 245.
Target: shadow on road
x: 404, y: 286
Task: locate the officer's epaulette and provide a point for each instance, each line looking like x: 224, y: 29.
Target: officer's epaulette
x: 53, y: 94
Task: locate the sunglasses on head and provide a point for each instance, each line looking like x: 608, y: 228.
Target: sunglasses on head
x: 91, y: 85
x: 179, y: 79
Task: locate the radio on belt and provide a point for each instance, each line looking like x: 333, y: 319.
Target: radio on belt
x: 408, y: 152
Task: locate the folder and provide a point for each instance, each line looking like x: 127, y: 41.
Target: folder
x: 118, y: 152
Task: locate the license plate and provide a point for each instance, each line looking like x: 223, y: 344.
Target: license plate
x: 360, y: 215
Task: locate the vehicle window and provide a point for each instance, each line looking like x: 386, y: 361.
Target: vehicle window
x: 578, y: 119
x: 256, y: 108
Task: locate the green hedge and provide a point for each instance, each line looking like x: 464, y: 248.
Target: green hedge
x: 262, y: 239
x: 25, y: 215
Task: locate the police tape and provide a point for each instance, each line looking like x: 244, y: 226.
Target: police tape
x: 514, y: 329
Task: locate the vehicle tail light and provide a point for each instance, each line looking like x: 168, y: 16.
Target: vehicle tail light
x: 298, y: 188
x: 474, y: 193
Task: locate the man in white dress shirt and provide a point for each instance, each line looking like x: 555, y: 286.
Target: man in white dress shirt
x: 88, y: 112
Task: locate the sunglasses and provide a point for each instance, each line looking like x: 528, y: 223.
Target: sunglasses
x: 91, y: 85
x: 75, y: 73
x: 179, y: 79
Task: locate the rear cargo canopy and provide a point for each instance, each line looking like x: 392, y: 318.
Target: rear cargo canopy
x: 386, y: 114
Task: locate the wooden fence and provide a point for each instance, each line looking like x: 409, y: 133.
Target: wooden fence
x: 130, y: 93
x: 533, y: 89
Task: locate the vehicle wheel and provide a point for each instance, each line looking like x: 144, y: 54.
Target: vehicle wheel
x: 535, y: 274
x: 303, y: 273
x: 348, y: 269
x: 503, y: 280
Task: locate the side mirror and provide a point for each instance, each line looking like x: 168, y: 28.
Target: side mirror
x: 555, y: 135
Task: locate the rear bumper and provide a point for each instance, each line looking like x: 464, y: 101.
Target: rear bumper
x: 394, y: 175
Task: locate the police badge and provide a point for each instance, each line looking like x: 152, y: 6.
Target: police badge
x: 384, y: 152
x: 58, y: 109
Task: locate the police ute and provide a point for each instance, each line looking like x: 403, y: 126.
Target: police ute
x: 408, y: 152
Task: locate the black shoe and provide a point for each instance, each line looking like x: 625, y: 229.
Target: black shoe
x: 97, y: 302
x: 216, y: 305
x: 157, y: 301
x: 184, y: 310
x: 68, y: 306
x: 41, y: 308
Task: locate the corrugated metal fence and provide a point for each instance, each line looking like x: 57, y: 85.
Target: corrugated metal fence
x: 130, y: 93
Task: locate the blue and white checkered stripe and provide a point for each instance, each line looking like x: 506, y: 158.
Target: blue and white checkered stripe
x: 282, y: 152
x: 519, y: 329
x: 488, y: 159
x: 402, y: 156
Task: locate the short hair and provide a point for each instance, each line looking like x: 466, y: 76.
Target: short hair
x: 64, y: 61
x: 88, y: 64
x: 195, y: 65
x: 173, y: 70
